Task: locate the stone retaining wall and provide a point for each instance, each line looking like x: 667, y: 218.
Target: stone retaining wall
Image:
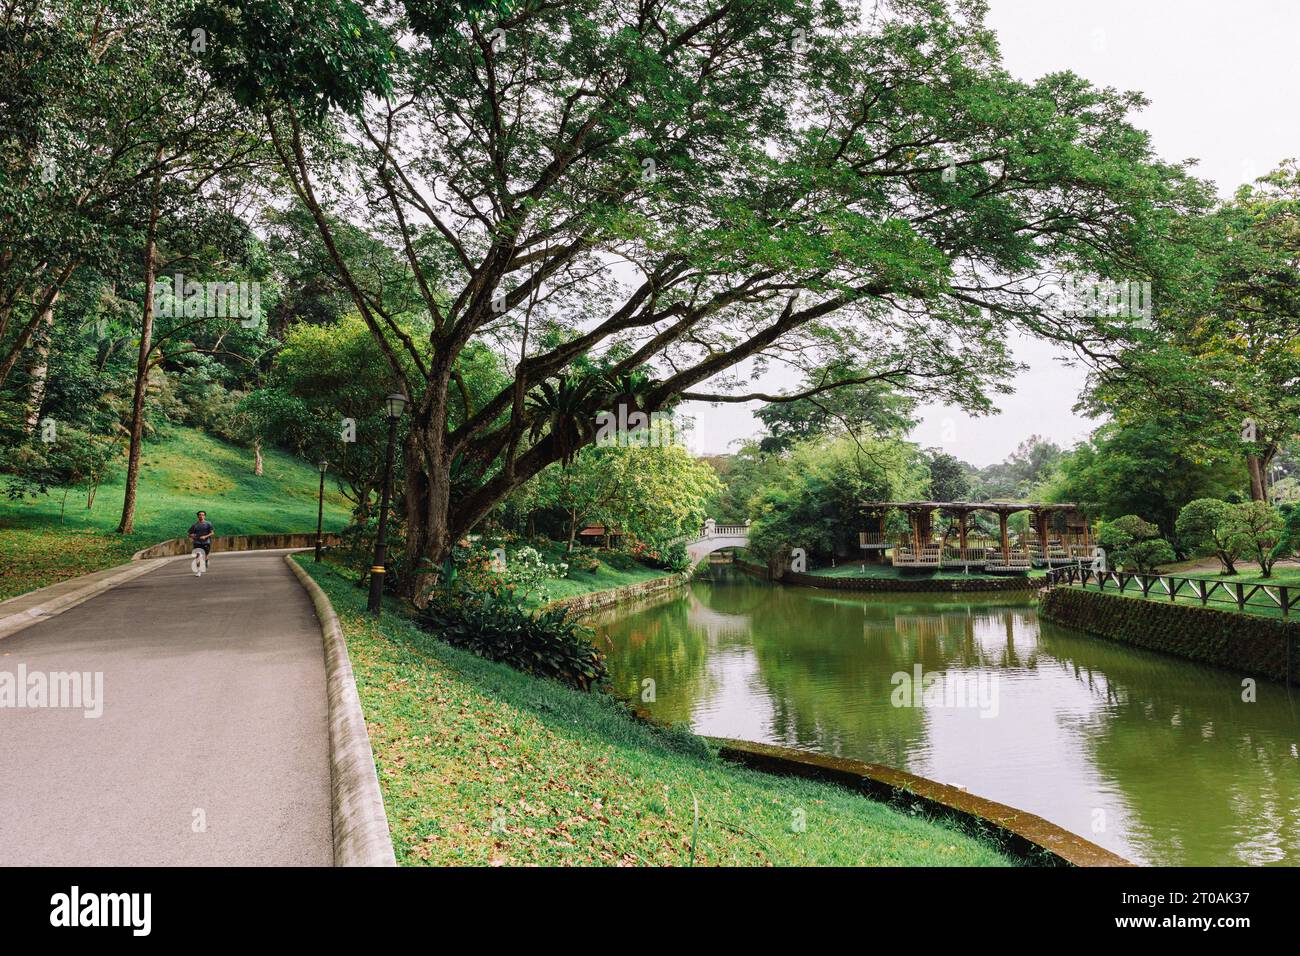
x: 582, y: 604
x: 237, y: 542
x: 1018, y: 582
x: 1246, y: 643
x: 1021, y: 834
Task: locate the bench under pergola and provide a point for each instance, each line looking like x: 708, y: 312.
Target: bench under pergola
x: 922, y: 550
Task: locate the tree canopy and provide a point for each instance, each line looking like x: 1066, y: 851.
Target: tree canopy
x: 683, y: 188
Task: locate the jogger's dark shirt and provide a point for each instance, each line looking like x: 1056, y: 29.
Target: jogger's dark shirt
x: 199, y: 529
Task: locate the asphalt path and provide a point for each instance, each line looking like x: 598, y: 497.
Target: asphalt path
x: 212, y: 746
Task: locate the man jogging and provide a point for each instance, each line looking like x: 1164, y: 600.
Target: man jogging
x: 201, y: 535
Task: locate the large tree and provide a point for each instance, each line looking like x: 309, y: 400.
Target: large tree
x: 1224, y: 370
x: 679, y: 191
x: 1146, y: 468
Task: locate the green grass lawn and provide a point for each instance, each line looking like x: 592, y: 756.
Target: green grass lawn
x: 1282, y: 574
x: 622, y: 571
x: 484, y: 765
x: 1258, y: 603
x: 184, y: 471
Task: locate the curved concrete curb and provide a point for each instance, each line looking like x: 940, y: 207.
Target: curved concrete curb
x: 1022, y: 834
x: 361, y: 836
x: 43, y: 603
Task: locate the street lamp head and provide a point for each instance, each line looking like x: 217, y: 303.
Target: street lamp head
x: 395, y: 403
x: 322, y: 465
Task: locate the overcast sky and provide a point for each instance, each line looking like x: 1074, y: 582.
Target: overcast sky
x: 1222, y: 81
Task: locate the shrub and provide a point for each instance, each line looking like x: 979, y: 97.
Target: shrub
x: 620, y: 561
x: 583, y: 559
x: 1134, y: 544
x: 1256, y: 528
x: 1203, y: 528
x: 666, y: 555
x: 1290, y: 541
x: 527, y: 571
x: 549, y: 643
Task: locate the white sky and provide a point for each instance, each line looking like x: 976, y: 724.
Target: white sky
x: 1222, y: 80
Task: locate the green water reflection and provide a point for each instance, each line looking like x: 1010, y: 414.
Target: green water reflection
x: 1150, y: 756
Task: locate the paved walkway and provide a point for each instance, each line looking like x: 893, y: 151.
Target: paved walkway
x: 213, y: 743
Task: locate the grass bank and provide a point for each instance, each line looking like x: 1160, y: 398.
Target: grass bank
x: 615, y: 571
x: 1258, y: 603
x: 484, y: 765
x: 182, y: 472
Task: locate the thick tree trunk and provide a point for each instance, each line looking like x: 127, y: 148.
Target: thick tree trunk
x: 257, y: 457
x: 430, y: 533
x: 127, y: 524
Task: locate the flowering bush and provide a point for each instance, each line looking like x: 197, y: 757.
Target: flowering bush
x: 527, y: 571
x: 584, y: 559
x: 670, y: 556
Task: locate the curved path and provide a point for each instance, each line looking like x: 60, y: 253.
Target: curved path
x: 213, y: 745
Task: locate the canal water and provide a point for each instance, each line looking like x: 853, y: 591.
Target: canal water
x: 1158, y: 759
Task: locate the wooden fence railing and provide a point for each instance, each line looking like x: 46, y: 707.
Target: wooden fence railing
x: 1234, y: 595
x: 876, y: 539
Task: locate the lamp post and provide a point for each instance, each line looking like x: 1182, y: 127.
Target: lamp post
x: 394, y: 405
x: 320, y: 507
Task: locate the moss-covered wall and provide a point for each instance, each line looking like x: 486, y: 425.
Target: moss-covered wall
x: 581, y: 604
x: 1246, y: 643
x: 1017, y: 582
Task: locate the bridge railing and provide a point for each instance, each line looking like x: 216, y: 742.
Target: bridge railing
x: 724, y: 531
x: 1232, y: 595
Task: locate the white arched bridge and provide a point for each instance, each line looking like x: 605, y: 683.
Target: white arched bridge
x: 715, y: 537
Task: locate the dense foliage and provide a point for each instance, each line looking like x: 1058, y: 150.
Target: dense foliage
x: 1132, y: 544
x: 525, y: 217
x: 548, y: 643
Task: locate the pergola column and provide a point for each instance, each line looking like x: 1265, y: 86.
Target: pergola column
x: 1006, y: 542
x: 961, y: 530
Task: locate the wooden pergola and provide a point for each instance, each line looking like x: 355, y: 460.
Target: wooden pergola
x: 920, y: 516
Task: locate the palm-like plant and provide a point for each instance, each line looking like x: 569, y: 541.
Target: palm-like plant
x: 567, y: 410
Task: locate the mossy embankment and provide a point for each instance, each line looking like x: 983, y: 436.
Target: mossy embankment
x: 1241, y: 642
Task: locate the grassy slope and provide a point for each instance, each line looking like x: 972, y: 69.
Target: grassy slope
x: 1258, y: 603
x: 602, y: 579
x: 570, y: 778
x: 185, y: 471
